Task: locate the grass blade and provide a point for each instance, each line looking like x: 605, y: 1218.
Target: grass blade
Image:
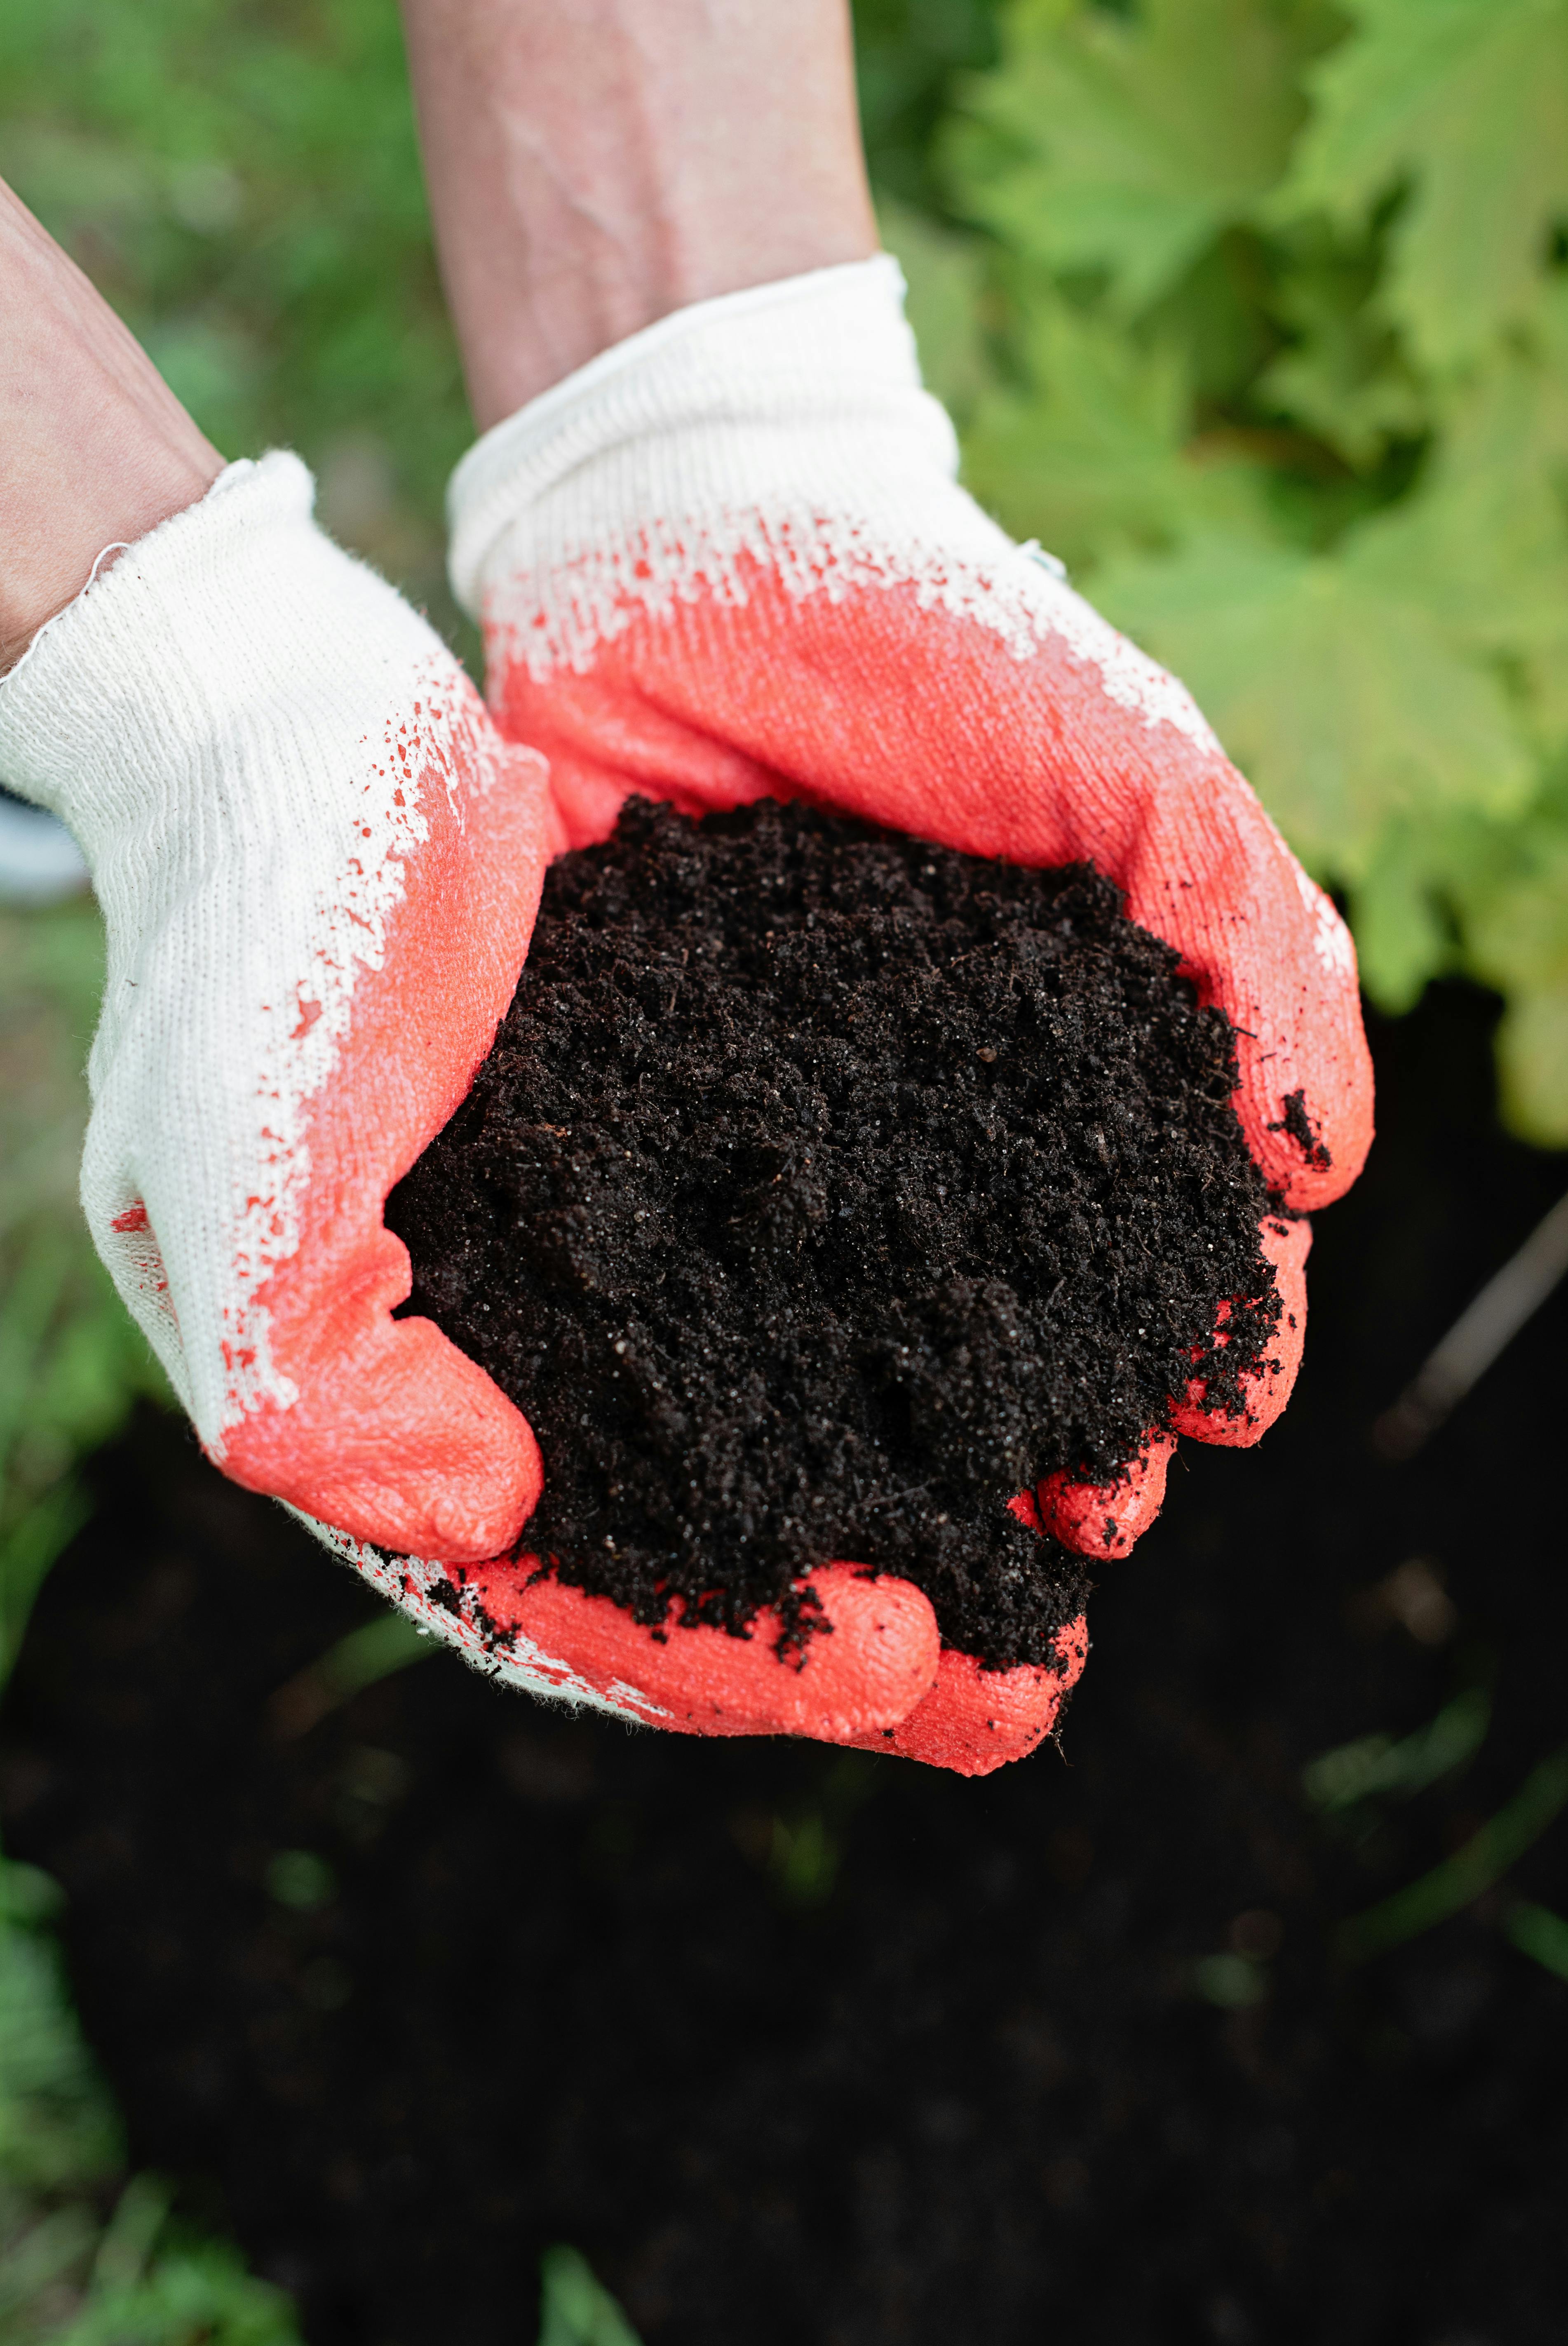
x: 387, y: 1644
x: 1460, y: 1880
x: 1536, y: 1930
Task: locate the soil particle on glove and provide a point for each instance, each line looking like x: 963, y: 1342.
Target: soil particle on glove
x: 823, y: 1190
x: 1299, y: 1124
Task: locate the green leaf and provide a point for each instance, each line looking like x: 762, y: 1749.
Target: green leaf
x: 1402, y: 940
x: 57, y: 2129
x: 1335, y: 684
x: 1377, y: 1765
x: 1537, y: 1931
x: 1123, y: 144
x: 1465, y: 103
x: 190, y: 2296
x: 1086, y: 453
x: 575, y: 2309
x: 945, y: 274
x: 27, y: 1548
x: 1460, y: 1879
x: 1513, y: 909
x: 1488, y: 528
x: 1344, y: 375
x: 1533, y: 1062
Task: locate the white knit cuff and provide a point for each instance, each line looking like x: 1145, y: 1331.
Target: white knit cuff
x: 200, y: 629
x: 826, y: 353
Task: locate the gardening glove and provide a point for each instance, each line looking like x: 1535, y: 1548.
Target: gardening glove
x: 729, y: 559
x: 318, y: 865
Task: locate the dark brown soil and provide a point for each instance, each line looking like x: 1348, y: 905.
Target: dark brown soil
x: 824, y: 1189
x: 812, y: 2048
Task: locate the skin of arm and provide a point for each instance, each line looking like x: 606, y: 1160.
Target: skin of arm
x: 95, y: 448
x: 592, y: 167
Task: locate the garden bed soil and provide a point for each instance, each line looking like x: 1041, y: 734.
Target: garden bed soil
x: 799, y: 2045
x: 823, y: 1190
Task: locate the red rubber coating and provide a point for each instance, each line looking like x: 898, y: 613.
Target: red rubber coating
x: 975, y: 1720
x: 1287, y: 1245
x: 866, y: 1673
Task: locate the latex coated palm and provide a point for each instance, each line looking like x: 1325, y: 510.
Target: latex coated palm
x: 729, y: 557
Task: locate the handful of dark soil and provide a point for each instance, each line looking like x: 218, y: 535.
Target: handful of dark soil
x: 823, y: 1190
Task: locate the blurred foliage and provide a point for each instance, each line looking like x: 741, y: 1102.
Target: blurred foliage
x: 1378, y: 1767
x: 1273, y: 315
x: 87, y: 2259
x: 909, y: 55
x: 71, y: 1362
x: 240, y: 179
x: 1255, y: 311
x: 1260, y: 320
x: 575, y: 2308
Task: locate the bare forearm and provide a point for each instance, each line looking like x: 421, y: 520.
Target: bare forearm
x: 93, y: 445
x: 593, y: 167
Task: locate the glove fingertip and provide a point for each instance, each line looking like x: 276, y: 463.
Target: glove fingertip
x: 1286, y: 1244
x: 1107, y: 1519
x: 869, y: 1664
x: 975, y: 1720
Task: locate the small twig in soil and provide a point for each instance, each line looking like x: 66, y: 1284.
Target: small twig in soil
x: 1479, y: 1334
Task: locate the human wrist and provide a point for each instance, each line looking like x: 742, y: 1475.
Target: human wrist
x: 586, y: 181
x: 51, y: 553
x: 236, y: 619
x: 95, y: 449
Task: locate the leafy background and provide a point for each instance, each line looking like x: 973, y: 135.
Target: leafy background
x: 1278, y: 362
x: 1254, y: 311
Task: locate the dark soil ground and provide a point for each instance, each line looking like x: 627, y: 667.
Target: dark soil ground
x: 823, y: 1190
x: 802, y: 2045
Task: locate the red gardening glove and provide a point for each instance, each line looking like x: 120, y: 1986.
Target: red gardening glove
x: 729, y: 559
x: 318, y: 865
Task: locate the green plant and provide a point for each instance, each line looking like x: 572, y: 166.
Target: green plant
x: 1274, y: 302
x: 240, y: 179
x: 576, y: 2310
x: 1261, y: 322
x: 373, y: 1651
x: 89, y: 2259
x: 1537, y: 1931
x: 86, y: 2257
x: 1473, y: 1868
x: 71, y: 1363
x: 1376, y: 1766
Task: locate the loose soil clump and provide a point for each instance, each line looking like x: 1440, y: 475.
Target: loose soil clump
x: 823, y: 1190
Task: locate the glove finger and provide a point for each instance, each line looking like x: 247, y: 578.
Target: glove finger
x: 866, y: 1669
x: 975, y: 1721
x: 1105, y: 1519
x: 1287, y: 1245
